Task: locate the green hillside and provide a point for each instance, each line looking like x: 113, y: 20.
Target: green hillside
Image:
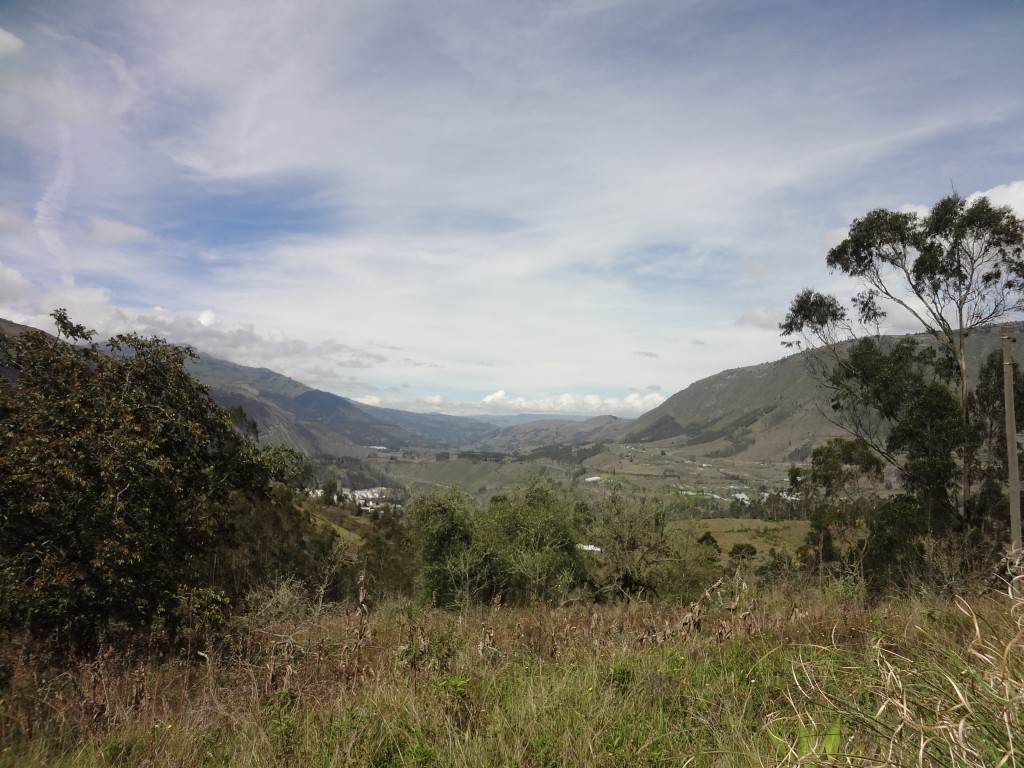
x: 769, y: 412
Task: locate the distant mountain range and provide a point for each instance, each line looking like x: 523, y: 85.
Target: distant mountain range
x: 511, y: 420
x: 288, y: 412
x: 315, y: 421
x: 552, y: 430
x: 769, y: 412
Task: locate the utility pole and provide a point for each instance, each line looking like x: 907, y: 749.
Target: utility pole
x: 1011, y: 441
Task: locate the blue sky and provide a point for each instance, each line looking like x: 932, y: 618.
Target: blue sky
x: 544, y: 206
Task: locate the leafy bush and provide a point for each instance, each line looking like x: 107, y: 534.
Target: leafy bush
x: 641, y: 556
x: 117, y: 473
x: 440, y: 534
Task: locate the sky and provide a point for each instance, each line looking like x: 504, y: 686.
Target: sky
x: 545, y: 206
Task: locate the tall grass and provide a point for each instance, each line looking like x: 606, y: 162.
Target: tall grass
x: 799, y: 675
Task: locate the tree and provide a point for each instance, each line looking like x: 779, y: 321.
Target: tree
x: 888, y: 392
x: 955, y: 269
x: 439, y: 530
x: 642, y: 557
x: 116, y: 473
x: 989, y: 422
x: 708, y: 540
x: 384, y: 554
x: 743, y: 550
x: 269, y: 538
x: 524, y: 546
x: 329, y: 492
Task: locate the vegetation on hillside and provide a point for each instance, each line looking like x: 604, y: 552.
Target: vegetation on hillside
x: 907, y: 405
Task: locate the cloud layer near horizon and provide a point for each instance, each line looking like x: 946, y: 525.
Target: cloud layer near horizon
x: 577, y: 206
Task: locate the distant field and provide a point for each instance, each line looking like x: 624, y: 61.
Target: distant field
x: 351, y: 529
x: 641, y: 470
x: 783, y: 535
x: 764, y: 535
x: 649, y: 470
x: 480, y: 479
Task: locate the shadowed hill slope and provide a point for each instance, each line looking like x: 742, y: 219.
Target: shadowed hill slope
x: 769, y: 412
x: 305, y: 417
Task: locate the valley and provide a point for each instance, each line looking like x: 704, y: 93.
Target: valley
x: 702, y: 486
x: 736, y: 432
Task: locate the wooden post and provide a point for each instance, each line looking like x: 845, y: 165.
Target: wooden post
x: 1011, y: 442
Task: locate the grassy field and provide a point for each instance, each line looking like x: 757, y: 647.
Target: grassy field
x: 791, y: 676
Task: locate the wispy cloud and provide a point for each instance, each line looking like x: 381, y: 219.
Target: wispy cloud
x: 759, y: 317
x: 107, y: 231
x: 50, y: 207
x: 430, y: 203
x: 9, y: 43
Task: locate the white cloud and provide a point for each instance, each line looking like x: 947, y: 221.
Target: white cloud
x: 9, y: 43
x: 500, y: 402
x: 1011, y: 194
x: 109, y: 231
x: 13, y: 287
x: 521, y: 195
x: 12, y: 222
x: 495, y: 397
x: 920, y: 210
x: 759, y: 317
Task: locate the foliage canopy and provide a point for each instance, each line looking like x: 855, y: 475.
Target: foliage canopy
x: 953, y: 270
x: 116, y: 469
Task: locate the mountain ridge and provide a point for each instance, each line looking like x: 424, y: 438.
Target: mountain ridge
x: 774, y: 411
x: 318, y: 422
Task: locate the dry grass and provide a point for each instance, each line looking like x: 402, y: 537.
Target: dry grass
x: 736, y: 679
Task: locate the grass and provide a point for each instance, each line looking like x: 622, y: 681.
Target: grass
x: 740, y: 678
x: 781, y: 535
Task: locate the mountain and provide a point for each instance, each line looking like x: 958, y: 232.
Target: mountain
x: 289, y: 412
x: 771, y: 410
x: 315, y: 421
x: 768, y: 412
x: 552, y: 431
x: 7, y: 328
x: 312, y: 420
x: 511, y: 420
